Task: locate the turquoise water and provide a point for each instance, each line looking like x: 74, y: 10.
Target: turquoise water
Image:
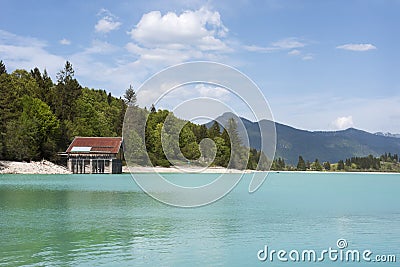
x: 106, y: 220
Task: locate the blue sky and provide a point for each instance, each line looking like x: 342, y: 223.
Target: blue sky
x: 322, y: 65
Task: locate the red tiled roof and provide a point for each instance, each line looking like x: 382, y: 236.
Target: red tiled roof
x: 108, y: 145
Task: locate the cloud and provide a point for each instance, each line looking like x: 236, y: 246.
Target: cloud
x: 307, y: 57
x: 173, y: 38
x: 157, y: 41
x: 201, y: 28
x: 357, y: 47
x: 294, y: 52
x: 100, y: 47
x: 288, y: 43
x: 110, y: 72
x: 8, y: 38
x: 342, y: 123
x: 107, y: 23
x: 65, y: 41
x: 256, y: 48
x: 212, y: 91
x: 283, y: 44
x: 21, y: 52
x: 299, y: 54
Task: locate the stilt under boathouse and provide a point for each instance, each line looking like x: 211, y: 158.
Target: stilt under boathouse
x: 95, y: 155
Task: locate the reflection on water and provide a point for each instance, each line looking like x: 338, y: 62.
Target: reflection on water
x: 89, y: 220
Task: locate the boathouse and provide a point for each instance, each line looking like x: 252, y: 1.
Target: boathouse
x: 95, y: 155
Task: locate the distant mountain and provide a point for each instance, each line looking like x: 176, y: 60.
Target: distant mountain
x: 388, y: 134
x: 326, y: 146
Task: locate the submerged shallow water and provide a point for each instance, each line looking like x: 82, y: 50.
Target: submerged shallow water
x: 106, y: 220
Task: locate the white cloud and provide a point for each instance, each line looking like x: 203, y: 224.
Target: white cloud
x: 299, y: 54
x: 8, y: 38
x: 65, y: 41
x: 162, y: 55
x: 100, y: 47
x: 212, y: 91
x: 288, y: 43
x: 107, y: 23
x: 19, y: 52
x: 342, y: 123
x: 307, y: 57
x: 294, y: 52
x: 173, y: 38
x: 357, y: 47
x: 284, y: 44
x: 256, y: 48
x: 201, y: 27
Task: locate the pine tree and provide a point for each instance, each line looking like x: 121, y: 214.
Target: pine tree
x: 301, y: 165
x: 67, y: 92
x: 153, y: 109
x: 340, y: 165
x: 214, y: 131
x: 2, y: 67
x: 130, y: 96
x: 317, y: 165
x: 327, y: 165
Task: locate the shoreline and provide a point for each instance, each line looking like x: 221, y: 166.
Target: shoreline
x: 180, y: 169
x: 47, y: 167
x: 33, y: 167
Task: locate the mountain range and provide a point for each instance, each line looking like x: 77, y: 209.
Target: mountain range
x: 329, y: 146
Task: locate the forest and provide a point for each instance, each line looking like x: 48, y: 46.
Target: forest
x: 168, y: 140
x: 39, y: 118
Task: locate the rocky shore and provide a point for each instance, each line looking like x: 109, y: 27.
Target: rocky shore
x: 33, y: 167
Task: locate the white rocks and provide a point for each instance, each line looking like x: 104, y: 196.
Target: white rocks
x: 33, y: 167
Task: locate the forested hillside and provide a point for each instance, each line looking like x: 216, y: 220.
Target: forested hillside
x: 40, y: 117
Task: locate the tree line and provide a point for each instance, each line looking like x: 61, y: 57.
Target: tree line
x: 40, y: 117
x: 168, y: 140
x: 386, y: 162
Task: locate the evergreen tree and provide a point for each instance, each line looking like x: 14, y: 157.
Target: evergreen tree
x: 239, y: 154
x: 317, y: 165
x: 340, y: 165
x: 233, y: 133
x: 45, y: 84
x: 67, y: 92
x: 327, y: 166
x: 308, y: 165
x: 200, y: 131
x: 223, y: 152
x: 2, y: 67
x: 130, y: 96
x: 109, y: 98
x: 301, y: 165
x: 214, y: 131
x: 348, y: 162
x: 153, y: 109
x: 31, y: 136
x: 65, y: 96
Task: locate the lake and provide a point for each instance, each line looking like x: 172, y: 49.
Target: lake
x: 106, y: 220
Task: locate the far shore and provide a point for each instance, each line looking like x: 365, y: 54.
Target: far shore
x: 47, y: 167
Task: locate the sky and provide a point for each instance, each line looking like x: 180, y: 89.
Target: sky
x: 321, y: 65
